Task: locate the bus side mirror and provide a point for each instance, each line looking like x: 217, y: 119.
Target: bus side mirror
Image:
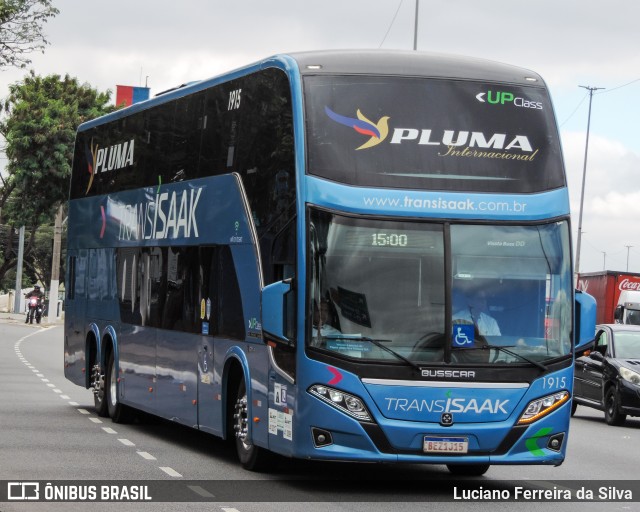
x: 596, y: 356
x: 278, y: 313
x: 585, y: 319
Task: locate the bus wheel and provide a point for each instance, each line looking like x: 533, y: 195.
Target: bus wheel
x: 251, y: 457
x: 119, y: 413
x: 97, y: 383
x: 468, y: 469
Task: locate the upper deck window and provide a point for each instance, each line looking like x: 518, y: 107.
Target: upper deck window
x: 418, y: 133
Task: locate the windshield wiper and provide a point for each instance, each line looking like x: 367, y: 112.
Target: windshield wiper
x: 378, y: 343
x: 515, y: 354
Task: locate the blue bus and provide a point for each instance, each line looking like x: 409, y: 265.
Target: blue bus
x: 342, y: 255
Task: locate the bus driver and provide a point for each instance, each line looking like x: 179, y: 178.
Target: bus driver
x: 477, y: 313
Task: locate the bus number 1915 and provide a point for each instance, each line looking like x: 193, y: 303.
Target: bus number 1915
x: 234, y: 99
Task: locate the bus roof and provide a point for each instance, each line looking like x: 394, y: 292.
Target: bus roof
x: 353, y: 62
x: 411, y: 63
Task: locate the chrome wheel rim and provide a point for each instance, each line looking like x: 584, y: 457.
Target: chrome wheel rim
x: 242, y: 423
x: 112, y: 385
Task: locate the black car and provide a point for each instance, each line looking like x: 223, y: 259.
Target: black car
x: 607, y: 375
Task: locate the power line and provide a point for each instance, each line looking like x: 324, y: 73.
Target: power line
x: 598, y: 93
x: 619, y: 87
x: 574, y: 111
x: 391, y: 24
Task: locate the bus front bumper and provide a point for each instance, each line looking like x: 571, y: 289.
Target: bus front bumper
x: 337, y: 437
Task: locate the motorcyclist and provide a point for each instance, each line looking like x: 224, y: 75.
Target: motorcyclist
x: 36, y: 292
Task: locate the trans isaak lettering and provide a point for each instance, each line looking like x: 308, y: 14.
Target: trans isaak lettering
x: 460, y: 405
x: 169, y: 215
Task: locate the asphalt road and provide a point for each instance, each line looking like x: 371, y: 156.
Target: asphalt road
x: 49, y: 432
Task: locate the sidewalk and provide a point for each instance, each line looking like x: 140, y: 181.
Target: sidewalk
x: 21, y: 317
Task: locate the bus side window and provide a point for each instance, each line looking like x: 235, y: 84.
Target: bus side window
x: 128, y: 284
x: 81, y: 274
x: 283, y: 252
x: 71, y: 286
x: 179, y: 307
x: 230, y: 315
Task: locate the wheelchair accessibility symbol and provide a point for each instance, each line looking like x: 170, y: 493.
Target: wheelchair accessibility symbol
x: 463, y: 335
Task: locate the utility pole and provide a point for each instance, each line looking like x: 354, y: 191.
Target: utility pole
x: 17, y: 299
x: 604, y: 260
x: 55, y: 266
x: 584, y: 177
x: 628, y: 247
x: 415, y: 30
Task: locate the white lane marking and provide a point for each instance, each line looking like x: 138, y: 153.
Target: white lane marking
x: 145, y: 455
x: 171, y: 472
x: 229, y: 509
x: 57, y: 390
x: 200, y: 491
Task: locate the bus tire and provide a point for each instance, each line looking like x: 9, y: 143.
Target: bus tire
x: 612, y: 414
x: 468, y: 469
x: 252, y: 457
x: 119, y: 413
x: 99, y: 390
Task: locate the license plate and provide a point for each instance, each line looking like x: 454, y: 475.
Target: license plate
x: 433, y: 444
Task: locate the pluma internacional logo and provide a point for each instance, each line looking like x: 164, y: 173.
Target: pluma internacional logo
x: 106, y: 159
x: 376, y: 131
x: 450, y: 143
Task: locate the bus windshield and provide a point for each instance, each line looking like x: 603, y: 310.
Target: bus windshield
x: 377, y: 291
x: 449, y: 135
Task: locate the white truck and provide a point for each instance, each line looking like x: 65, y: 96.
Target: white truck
x: 628, y: 309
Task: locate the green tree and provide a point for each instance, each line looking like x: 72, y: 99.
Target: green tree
x: 21, y: 23
x: 40, y: 118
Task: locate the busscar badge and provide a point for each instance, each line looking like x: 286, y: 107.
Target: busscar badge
x: 446, y: 419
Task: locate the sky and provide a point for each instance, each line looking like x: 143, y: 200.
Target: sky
x: 571, y: 43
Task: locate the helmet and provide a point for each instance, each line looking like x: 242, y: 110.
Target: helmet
x: 36, y: 287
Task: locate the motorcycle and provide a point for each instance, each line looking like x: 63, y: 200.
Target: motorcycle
x: 34, y: 311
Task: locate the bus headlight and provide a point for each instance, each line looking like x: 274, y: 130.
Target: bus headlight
x: 630, y: 376
x: 348, y: 404
x: 542, y: 406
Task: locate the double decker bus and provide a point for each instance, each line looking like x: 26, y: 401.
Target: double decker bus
x: 357, y: 256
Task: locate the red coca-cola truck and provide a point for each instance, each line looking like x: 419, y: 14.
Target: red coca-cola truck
x: 613, y: 290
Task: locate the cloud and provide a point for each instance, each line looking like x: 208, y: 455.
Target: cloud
x: 616, y: 206
x: 611, y: 166
x: 611, y: 203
